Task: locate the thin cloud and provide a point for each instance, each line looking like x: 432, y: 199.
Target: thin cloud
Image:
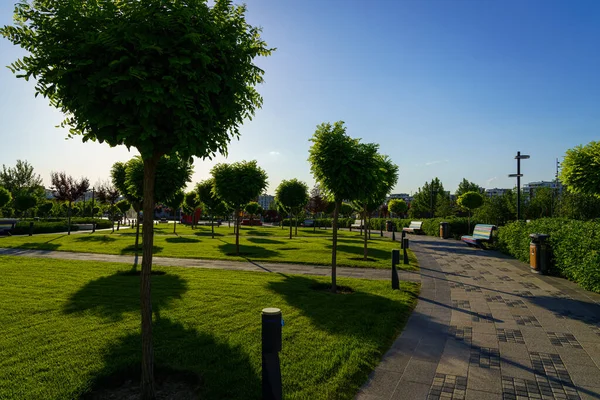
x: 492, y: 180
x: 274, y: 153
x: 429, y: 163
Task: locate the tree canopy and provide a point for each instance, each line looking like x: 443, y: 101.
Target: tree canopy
x: 20, y: 178
x: 293, y: 196
x: 237, y: 184
x: 425, y: 200
x: 466, y: 186
x: 470, y: 201
x: 581, y: 169
x: 397, y: 206
x: 5, y: 197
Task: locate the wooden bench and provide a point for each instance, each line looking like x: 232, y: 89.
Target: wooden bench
x: 163, y: 221
x: 414, y: 227
x: 356, y: 224
x: 6, y: 225
x: 481, y: 233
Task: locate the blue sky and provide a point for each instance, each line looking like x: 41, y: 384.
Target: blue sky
x: 447, y: 88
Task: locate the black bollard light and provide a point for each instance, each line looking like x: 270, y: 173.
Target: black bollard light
x: 395, y: 261
x: 404, y: 247
x: 394, y: 233
x: 402, y: 238
x: 271, y: 346
x: 118, y: 225
x: 31, y: 229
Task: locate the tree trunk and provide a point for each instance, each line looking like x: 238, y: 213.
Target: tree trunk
x: 212, y: 225
x: 137, y: 241
x: 296, y: 228
x: 147, y: 382
x: 334, y: 246
x: 175, y: 222
x: 69, y: 219
x: 366, y: 251
x: 237, y: 232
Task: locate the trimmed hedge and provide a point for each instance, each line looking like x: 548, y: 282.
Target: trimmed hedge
x: 431, y: 226
x: 575, y: 247
x: 22, y: 227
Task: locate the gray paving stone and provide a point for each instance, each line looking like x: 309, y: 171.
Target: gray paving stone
x: 408, y: 390
x: 381, y: 383
x: 420, y: 371
x: 484, y: 379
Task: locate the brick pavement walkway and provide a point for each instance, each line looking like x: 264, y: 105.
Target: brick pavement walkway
x: 249, y: 265
x: 485, y: 327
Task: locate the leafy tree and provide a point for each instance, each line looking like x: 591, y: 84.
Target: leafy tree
x: 581, y: 169
x: 425, y: 200
x: 45, y: 208
x: 578, y: 206
x: 237, y: 184
x: 470, y: 201
x: 191, y: 202
x: 338, y: 165
x: 5, y: 197
x: 172, y: 174
x: 123, y: 206
x: 292, y: 195
x: 444, y: 206
x: 541, y: 203
x: 212, y: 203
x: 466, y: 186
x: 109, y: 194
x: 252, y: 209
x: 21, y: 179
x: 384, y: 175
x: 497, y: 210
x: 25, y: 202
x: 397, y: 206
x: 67, y: 189
x: 110, y: 67
x: 174, y: 203
x: 317, y: 204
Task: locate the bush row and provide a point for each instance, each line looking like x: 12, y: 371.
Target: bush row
x: 22, y: 228
x: 575, y: 247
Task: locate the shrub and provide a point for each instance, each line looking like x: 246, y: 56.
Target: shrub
x: 575, y: 247
x: 22, y: 228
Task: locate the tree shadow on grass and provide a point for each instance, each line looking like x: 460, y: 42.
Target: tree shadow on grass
x: 131, y: 249
x: 363, y: 315
x: 254, y: 232
x: 101, y: 239
x: 377, y: 254
x: 182, y: 239
x: 114, y: 295
x: 39, y: 246
x: 248, y: 251
x: 217, y: 369
x: 264, y: 241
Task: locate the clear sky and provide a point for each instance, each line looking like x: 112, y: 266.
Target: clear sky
x: 448, y: 88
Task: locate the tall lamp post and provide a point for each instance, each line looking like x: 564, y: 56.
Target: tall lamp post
x: 518, y: 175
x: 93, y: 205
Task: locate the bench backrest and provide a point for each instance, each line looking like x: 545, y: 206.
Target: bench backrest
x: 482, y: 231
x: 416, y: 224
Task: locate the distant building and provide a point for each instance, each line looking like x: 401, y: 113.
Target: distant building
x: 403, y: 196
x: 496, y: 192
x: 530, y: 188
x: 265, y: 201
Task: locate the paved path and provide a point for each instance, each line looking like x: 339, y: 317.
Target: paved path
x: 365, y: 273
x: 485, y: 327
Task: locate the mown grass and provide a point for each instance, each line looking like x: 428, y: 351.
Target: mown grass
x: 257, y: 244
x: 65, y: 325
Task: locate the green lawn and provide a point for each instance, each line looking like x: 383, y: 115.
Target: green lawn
x: 258, y: 244
x: 67, y: 324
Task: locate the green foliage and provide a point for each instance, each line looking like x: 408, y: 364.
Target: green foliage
x: 191, y: 201
x: 21, y: 180
x: 172, y: 174
x: 122, y: 80
x: 574, y: 244
x: 581, y: 169
x: 252, y: 208
x: 5, y: 197
x: 238, y: 183
x: 292, y: 195
x: 175, y: 201
x: 577, y: 206
x: 45, y: 208
x: 444, y: 206
x: 466, y: 186
x: 541, y: 204
x: 425, y: 200
x: 470, y: 200
x: 497, y: 210
x: 397, y: 206
x: 123, y: 206
x: 24, y: 202
x: 39, y: 227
